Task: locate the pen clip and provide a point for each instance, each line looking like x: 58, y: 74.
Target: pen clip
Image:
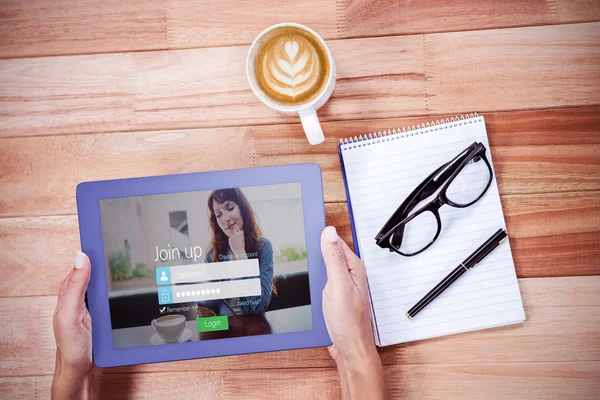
x: 492, y: 250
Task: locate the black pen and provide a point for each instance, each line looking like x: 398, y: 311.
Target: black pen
x: 478, y: 255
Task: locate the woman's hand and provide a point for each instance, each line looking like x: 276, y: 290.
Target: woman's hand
x: 74, y: 372
x: 237, y: 244
x: 202, y: 312
x: 347, y: 316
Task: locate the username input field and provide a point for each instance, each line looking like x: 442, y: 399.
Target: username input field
x: 207, y: 272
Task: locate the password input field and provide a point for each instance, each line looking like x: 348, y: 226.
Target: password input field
x: 216, y: 290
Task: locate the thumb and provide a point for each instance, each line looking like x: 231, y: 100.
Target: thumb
x: 78, y: 280
x: 333, y: 254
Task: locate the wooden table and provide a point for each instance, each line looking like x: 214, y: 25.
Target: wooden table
x: 96, y: 90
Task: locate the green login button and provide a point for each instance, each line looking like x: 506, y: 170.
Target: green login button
x: 211, y: 324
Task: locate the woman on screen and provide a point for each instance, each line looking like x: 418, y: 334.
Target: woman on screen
x: 237, y: 236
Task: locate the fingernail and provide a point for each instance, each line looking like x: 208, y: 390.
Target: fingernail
x: 331, y: 234
x: 79, y: 260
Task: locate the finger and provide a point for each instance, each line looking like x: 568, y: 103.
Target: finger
x: 333, y: 254
x: 63, y: 285
x: 78, y: 281
x: 355, y: 265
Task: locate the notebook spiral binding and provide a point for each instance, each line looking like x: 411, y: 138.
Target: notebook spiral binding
x: 393, y: 134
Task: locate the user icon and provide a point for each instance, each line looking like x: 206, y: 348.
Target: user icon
x: 163, y: 277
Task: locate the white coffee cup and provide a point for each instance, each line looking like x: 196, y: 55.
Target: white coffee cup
x: 306, y: 111
x: 169, y: 327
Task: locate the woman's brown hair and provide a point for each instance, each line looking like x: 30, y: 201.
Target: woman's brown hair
x: 252, y: 233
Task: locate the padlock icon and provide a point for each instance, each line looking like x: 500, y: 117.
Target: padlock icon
x: 165, y: 296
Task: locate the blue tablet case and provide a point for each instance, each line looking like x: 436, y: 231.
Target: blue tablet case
x: 90, y: 193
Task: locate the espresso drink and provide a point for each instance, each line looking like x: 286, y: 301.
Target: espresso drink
x: 169, y: 320
x: 291, y: 66
x: 169, y: 327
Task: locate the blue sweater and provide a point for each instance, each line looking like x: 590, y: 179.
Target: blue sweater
x: 257, y: 304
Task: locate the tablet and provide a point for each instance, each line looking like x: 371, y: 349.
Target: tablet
x: 204, y: 264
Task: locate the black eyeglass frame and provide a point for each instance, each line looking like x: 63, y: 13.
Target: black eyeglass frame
x: 440, y: 178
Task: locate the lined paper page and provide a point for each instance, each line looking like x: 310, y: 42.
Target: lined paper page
x: 379, y: 177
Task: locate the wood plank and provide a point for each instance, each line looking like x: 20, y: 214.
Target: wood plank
x: 578, y: 380
x: 61, y: 162
x: 42, y: 28
x: 51, y: 27
x: 556, y: 255
x: 515, y: 67
x: 168, y: 90
x: 534, y: 152
x: 382, y: 17
x: 551, y: 235
x: 575, y: 10
x: 201, y: 23
x: 203, y: 385
x: 411, y: 75
x: 554, y: 315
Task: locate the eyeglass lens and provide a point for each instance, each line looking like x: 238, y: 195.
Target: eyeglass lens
x: 466, y: 187
x: 470, y: 183
x: 417, y: 234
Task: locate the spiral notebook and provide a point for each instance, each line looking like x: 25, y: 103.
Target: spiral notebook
x: 380, y: 169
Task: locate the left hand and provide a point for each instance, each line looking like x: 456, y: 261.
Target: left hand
x: 237, y: 244
x: 73, y: 334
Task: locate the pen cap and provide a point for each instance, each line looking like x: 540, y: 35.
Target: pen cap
x: 486, y: 248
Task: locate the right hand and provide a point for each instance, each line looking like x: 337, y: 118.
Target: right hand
x: 237, y: 243
x: 346, y: 300
x: 347, y: 316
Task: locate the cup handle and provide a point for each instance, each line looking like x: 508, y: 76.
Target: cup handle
x: 311, y: 125
x: 153, y: 323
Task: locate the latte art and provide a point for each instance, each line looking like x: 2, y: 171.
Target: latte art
x: 291, y: 66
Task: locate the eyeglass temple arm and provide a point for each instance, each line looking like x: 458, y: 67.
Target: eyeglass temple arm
x: 455, y: 163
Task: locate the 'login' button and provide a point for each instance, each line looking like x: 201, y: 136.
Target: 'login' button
x: 211, y: 324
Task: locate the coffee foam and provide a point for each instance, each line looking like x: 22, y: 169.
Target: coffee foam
x: 170, y: 320
x: 291, y: 66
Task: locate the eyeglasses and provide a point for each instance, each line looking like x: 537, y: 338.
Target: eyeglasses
x: 463, y: 181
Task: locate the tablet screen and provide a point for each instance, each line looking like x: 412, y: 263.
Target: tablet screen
x: 206, y: 265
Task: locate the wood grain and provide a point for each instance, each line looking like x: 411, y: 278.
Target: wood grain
x: 382, y: 17
x: 551, y: 235
x: 534, y: 152
x: 410, y: 75
x: 491, y: 381
x: 61, y: 162
x: 173, y: 97
x: 53, y: 27
x: 550, y: 306
x: 200, y: 23
x: 480, y: 68
x: 58, y: 27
